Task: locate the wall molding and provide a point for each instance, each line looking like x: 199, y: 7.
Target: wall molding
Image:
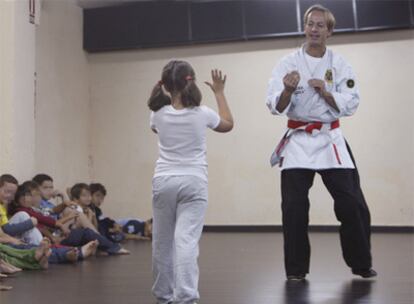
x: 312, y: 228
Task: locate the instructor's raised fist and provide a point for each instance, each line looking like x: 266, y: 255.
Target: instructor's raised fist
x: 291, y: 80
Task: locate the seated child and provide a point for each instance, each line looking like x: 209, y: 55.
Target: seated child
x: 26, y: 196
x: 81, y: 195
x: 21, y: 224
x: 64, y: 209
x: 123, y: 229
x: 106, y: 226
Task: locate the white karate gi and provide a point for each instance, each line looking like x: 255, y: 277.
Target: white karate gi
x: 315, y: 151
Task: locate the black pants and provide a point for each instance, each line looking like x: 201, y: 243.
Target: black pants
x: 82, y: 236
x: 350, y: 209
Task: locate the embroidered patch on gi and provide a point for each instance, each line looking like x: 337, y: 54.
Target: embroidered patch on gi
x: 328, y: 76
x: 350, y: 83
x: 299, y: 90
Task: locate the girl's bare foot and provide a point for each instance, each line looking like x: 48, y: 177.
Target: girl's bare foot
x: 42, y: 249
x: 44, y: 262
x: 89, y: 249
x: 14, y: 268
x: 4, y: 287
x: 8, y: 268
x: 122, y: 251
x: 101, y: 253
x: 43, y: 253
x: 72, y: 255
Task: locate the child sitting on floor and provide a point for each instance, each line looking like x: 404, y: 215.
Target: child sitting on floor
x: 122, y: 229
x: 64, y: 209
x: 26, y: 196
x: 48, y: 192
x: 81, y: 195
x: 21, y: 224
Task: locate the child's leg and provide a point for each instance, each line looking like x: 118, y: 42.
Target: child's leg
x: 191, y: 208
x: 82, y: 236
x: 164, y: 208
x: 21, y: 258
x: 60, y: 255
x: 32, y: 236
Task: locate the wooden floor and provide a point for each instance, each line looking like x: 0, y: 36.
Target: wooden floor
x: 236, y: 268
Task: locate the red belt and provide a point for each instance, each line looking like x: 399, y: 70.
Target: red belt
x: 310, y: 126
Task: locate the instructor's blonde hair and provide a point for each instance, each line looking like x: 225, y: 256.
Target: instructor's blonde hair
x: 329, y: 17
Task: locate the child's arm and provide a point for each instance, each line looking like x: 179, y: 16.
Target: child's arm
x: 226, y: 119
x: 66, y: 219
x: 94, y: 220
x: 65, y: 202
x: 42, y: 219
x: 46, y: 232
x: 91, y: 216
x: 61, y: 223
x: 7, y: 239
x: 62, y: 206
x: 19, y: 228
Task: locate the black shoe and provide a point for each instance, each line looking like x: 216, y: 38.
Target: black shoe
x: 296, y: 277
x: 365, y: 273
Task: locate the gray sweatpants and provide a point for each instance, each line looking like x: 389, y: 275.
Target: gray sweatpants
x: 179, y: 206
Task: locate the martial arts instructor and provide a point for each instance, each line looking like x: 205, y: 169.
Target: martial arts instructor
x: 314, y: 87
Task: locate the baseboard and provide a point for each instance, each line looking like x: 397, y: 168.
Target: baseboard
x: 312, y: 228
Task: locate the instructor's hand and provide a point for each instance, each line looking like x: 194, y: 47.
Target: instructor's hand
x: 318, y: 85
x: 291, y: 81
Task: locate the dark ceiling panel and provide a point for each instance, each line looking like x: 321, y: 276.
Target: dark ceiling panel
x: 216, y: 20
x: 383, y: 14
x: 264, y: 18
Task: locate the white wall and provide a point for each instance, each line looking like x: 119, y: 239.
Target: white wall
x: 50, y: 132
x: 243, y: 188
x: 17, y: 61
x: 62, y: 101
x: 6, y: 80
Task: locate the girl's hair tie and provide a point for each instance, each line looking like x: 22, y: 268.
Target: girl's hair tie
x: 189, y: 78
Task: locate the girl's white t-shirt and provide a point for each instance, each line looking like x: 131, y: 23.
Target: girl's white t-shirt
x: 182, y: 139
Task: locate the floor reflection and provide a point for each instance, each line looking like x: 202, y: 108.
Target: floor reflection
x: 353, y: 292
x: 297, y: 292
x: 357, y: 291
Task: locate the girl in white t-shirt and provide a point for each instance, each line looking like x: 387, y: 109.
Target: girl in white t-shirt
x: 180, y: 178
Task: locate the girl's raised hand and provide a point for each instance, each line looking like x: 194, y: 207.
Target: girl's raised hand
x: 218, y: 81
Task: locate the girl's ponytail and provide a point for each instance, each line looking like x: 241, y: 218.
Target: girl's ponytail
x: 177, y: 77
x: 191, y: 94
x: 158, y: 98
